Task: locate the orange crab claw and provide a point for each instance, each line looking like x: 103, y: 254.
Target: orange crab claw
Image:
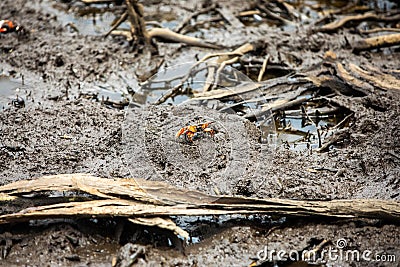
x: 6, y: 26
x: 180, y: 132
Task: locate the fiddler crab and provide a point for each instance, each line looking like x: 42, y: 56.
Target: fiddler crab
x: 192, y: 132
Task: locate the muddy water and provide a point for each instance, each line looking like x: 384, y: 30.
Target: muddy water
x: 97, y: 19
x: 86, y: 20
x: 12, y: 92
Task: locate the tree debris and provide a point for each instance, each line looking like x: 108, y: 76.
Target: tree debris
x: 138, y: 199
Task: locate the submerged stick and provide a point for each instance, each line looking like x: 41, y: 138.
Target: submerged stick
x: 117, y: 23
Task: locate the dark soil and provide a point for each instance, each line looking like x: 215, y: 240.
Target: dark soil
x: 61, y: 130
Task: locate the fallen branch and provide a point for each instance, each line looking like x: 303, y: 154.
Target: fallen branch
x: 163, y: 223
x: 272, y: 15
x: 248, y: 88
x: 263, y: 68
x: 97, y: 1
x: 338, y: 136
x: 166, y: 200
x: 230, y: 18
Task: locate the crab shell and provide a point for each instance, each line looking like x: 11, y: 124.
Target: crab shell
x: 186, y: 130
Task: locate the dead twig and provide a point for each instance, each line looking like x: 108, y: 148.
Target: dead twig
x: 134, y: 13
x: 335, y: 25
x: 164, y: 223
x: 263, y: 68
x: 125, y: 33
x: 377, y: 42
x: 97, y: 1
x: 230, y: 17
x: 337, y: 136
x: 272, y: 15
x: 223, y: 60
x: 305, y: 113
x: 249, y: 13
x: 194, y: 15
x: 117, y: 23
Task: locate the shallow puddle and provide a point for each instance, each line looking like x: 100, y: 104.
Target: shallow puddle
x: 12, y: 93
x: 93, y: 20
x: 298, y: 130
x: 96, y: 19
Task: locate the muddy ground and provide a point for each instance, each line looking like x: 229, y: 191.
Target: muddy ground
x: 62, y: 130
